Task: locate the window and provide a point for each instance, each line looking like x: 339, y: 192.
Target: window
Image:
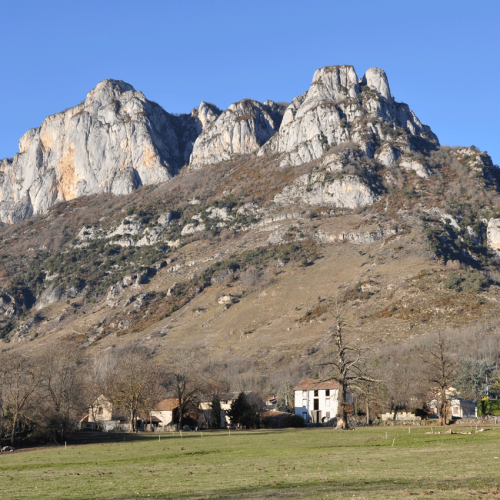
x: 316, y: 393
x: 327, y: 415
x: 327, y: 393
x: 99, y: 410
x: 304, y: 402
x: 327, y: 402
x: 304, y: 394
x: 304, y: 415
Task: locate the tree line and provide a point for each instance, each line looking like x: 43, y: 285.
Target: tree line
x: 44, y: 395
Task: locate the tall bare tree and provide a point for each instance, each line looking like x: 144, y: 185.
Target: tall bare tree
x: 60, y: 401
x: 183, y: 381
x: 439, y: 371
x: 344, y: 363
x: 20, y: 381
x: 134, y: 386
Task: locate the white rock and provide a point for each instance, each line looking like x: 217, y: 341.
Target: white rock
x: 493, y: 235
x: 334, y: 111
x: 417, y: 166
x: 113, y: 141
x: 315, y: 189
x: 243, y: 128
x: 191, y: 229
x: 388, y: 155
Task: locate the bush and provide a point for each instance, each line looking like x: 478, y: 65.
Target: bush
x: 488, y: 408
x: 473, y: 282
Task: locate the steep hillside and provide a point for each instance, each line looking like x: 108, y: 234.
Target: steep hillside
x: 243, y: 254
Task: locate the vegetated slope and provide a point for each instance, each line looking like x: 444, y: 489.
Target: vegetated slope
x: 352, y: 199
x: 222, y: 260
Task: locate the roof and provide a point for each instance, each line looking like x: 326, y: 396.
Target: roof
x: 311, y: 384
x: 167, y: 404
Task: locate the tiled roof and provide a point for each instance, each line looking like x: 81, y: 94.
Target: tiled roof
x: 167, y: 404
x: 309, y: 385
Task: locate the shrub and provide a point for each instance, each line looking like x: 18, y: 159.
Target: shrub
x: 488, y: 408
x: 473, y: 282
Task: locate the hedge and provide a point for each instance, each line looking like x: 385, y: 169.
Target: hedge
x: 488, y: 408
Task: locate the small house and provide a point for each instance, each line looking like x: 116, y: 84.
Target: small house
x: 317, y: 401
x: 102, y: 416
x: 164, y: 412
x: 457, y: 407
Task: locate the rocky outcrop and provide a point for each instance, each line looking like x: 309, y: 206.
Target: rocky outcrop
x: 358, y: 237
x: 56, y: 293
x: 349, y: 191
x: 114, y: 141
x: 338, y: 108
x: 242, y: 128
x: 493, y: 235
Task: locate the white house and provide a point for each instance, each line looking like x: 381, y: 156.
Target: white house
x: 317, y: 401
x: 457, y: 407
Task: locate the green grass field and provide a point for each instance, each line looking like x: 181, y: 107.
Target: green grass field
x: 295, y: 463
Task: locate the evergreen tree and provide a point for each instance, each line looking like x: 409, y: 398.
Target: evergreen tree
x: 238, y: 408
x: 216, y: 412
x: 474, y: 378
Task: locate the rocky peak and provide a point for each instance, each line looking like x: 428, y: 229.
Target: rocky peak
x: 206, y: 114
x: 113, y: 142
x: 108, y: 90
x: 337, y: 109
x: 376, y: 79
x: 242, y: 128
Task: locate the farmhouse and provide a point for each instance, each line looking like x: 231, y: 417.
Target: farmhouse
x: 165, y: 412
x: 317, y: 401
x: 102, y: 416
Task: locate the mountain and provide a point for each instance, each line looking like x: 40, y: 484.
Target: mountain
x: 114, y: 141
x: 244, y: 226
x: 117, y: 140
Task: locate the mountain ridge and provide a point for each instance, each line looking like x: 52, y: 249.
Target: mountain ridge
x: 116, y: 139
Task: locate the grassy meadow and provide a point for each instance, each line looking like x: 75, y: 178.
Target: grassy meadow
x: 294, y: 463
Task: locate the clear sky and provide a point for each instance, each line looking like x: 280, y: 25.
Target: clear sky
x: 441, y: 57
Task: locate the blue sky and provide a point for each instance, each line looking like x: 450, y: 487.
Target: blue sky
x: 441, y: 57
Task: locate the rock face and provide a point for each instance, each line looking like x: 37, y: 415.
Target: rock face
x: 316, y: 189
x: 339, y: 108
x: 242, y: 128
x: 493, y: 235
x: 113, y: 141
x: 117, y: 140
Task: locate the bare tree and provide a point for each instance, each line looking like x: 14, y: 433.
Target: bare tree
x: 371, y: 395
x: 439, y: 369
x: 183, y: 381
x: 99, y: 371
x: 20, y: 382
x: 134, y: 384
x: 60, y: 399
x: 285, y: 400
x: 212, y: 390
x: 345, y: 365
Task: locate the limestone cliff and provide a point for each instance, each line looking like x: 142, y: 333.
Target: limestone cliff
x: 338, y: 108
x: 242, y: 128
x: 114, y: 141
